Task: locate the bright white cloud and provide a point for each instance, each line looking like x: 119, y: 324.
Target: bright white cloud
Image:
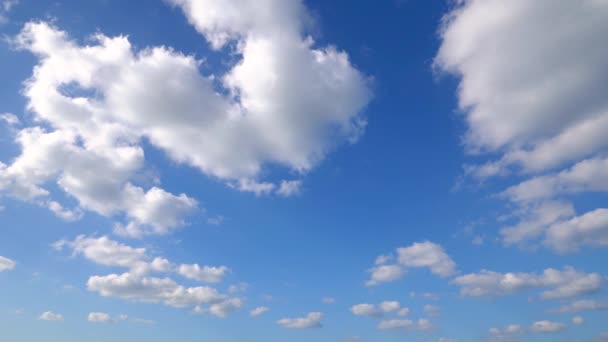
x: 427, y: 254
x: 567, y: 283
x: 384, y: 274
x: 518, y: 84
x: 536, y: 105
x: 419, y: 254
x: 6, y: 264
x: 99, y: 317
x: 259, y: 311
x: 312, y: 320
x: 284, y: 101
x: 50, y: 316
x: 151, y: 289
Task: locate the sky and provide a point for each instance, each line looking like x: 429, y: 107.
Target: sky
x: 303, y: 170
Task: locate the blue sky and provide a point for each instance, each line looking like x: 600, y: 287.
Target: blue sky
x: 287, y: 170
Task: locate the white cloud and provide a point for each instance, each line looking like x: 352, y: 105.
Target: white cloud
x: 547, y: 327
x: 393, y: 324
x: 535, y: 220
x: 578, y: 320
x: 589, y: 229
x: 225, y: 307
x: 289, y: 188
x: 50, y: 316
x: 567, y: 283
x: 390, y: 306
x: 419, y: 254
x: 582, y: 305
x: 208, y: 274
x: 369, y: 310
x: 105, y: 251
x: 284, y: 102
x: 137, y: 285
x: 508, y: 334
x: 260, y: 310
x: 6, y: 264
x: 312, y: 320
x: 405, y: 324
x: 519, y: 84
x: 537, y: 102
x: 427, y: 254
x: 385, y: 274
x: 151, y: 289
x: 99, y: 317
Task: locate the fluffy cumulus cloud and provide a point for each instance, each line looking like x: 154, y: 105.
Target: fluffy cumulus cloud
x: 556, y: 284
x: 285, y: 101
x: 6, y: 264
x: 312, y: 320
x: 137, y: 284
x: 419, y: 254
x: 541, y: 108
x: 51, y: 316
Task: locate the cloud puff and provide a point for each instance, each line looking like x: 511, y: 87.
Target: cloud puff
x: 50, y: 316
x: 260, y: 310
x: 99, y: 317
x: 6, y: 264
x: 284, y: 101
x: 138, y: 285
x: 419, y: 254
x: 377, y: 311
x: 152, y: 289
x: 567, y: 283
x: 312, y: 320
x: 404, y: 324
x: 208, y: 274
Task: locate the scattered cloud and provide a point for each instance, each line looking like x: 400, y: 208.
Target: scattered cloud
x: 419, y: 254
x: 312, y: 320
x: 6, y: 264
x: 567, y: 283
x: 99, y: 317
x: 259, y: 311
x: 582, y: 305
x: 51, y: 316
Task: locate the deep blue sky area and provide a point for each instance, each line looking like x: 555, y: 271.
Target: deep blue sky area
x: 406, y: 182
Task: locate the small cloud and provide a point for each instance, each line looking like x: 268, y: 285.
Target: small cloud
x: 258, y: 311
x: 51, y: 316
